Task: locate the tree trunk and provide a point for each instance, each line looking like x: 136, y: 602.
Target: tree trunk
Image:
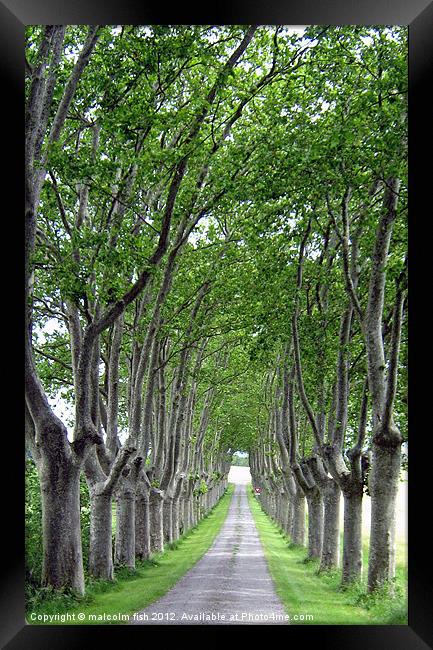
x: 201, y: 506
x: 278, y: 508
x: 125, y: 529
x: 196, y: 510
x: 352, y: 543
x: 289, y: 519
x: 384, y: 478
x: 284, y: 511
x: 297, y: 532
x: 183, y: 515
x: 167, y: 516
x: 175, y: 518
x: 62, y: 565
x: 190, y: 513
x: 101, y: 542
x: 142, y: 526
x: 331, y: 532
x: 315, y: 523
x: 156, y: 521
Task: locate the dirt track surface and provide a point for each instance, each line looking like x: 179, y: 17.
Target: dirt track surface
x: 230, y: 585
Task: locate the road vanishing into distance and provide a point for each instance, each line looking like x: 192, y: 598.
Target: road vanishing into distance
x: 231, y: 584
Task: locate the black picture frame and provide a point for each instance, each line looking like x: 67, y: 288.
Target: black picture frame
x: 418, y: 15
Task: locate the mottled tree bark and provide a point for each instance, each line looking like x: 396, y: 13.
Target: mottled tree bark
x: 125, y: 528
x: 101, y: 544
x: 126, y: 493
x: 352, y: 546
x: 330, y: 492
x: 315, y: 523
x: 297, y: 530
x: 167, y: 517
x: 62, y: 560
x: 142, y: 524
x: 315, y: 508
x: 176, y: 508
x: 175, y: 515
x: 156, y: 498
x: 384, y: 479
x: 331, y: 533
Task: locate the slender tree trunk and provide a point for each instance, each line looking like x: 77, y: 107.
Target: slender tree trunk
x: 352, y: 543
x: 189, y: 514
x: 142, y: 526
x: 156, y: 521
x: 167, y: 515
x: 176, y: 509
x: 315, y: 523
x: 283, y: 510
x: 184, y: 518
x: 186, y: 513
x: 273, y: 504
x: 330, y: 491
x: 297, y: 531
x: 196, y: 509
x: 289, y: 517
x: 331, y: 531
x: 202, y: 506
x: 175, y: 516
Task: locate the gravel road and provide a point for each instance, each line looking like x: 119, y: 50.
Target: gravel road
x: 230, y: 585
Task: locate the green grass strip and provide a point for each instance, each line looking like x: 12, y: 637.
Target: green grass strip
x: 304, y: 592
x: 135, y: 590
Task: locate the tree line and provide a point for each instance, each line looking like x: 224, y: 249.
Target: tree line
x: 208, y: 206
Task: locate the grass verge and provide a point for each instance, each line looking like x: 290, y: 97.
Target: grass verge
x: 305, y: 592
x: 106, y: 602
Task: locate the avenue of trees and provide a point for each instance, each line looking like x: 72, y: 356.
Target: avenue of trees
x: 215, y: 238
